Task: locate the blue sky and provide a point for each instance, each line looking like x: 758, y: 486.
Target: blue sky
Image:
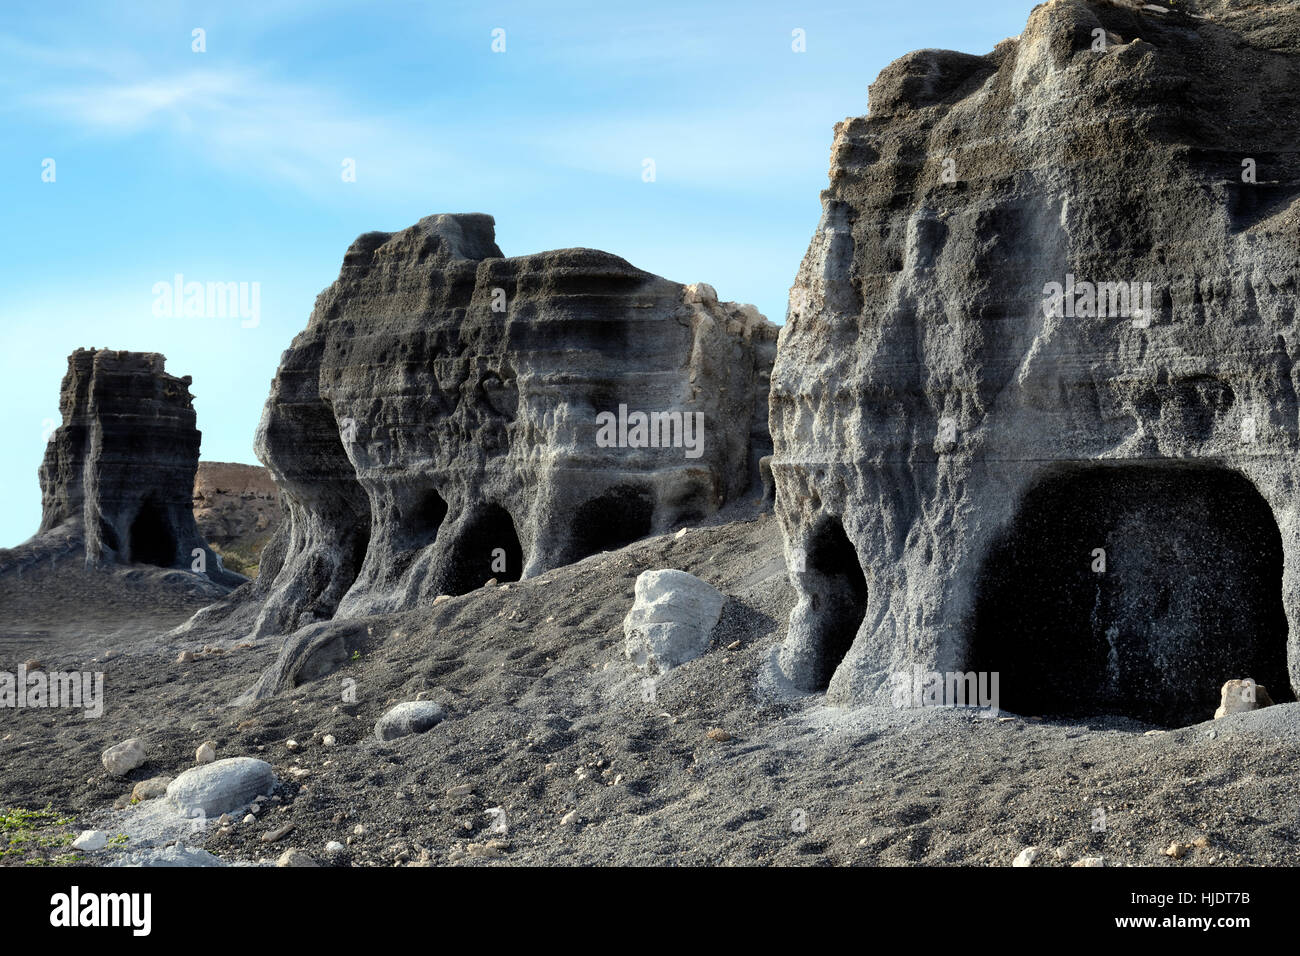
x: 226, y: 165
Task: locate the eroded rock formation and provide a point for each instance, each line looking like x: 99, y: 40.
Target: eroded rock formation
x: 990, y: 451
x: 118, y: 473
x: 450, y: 415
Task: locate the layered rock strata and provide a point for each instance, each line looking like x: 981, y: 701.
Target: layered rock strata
x: 450, y: 416
x: 117, y: 475
x: 1034, y: 408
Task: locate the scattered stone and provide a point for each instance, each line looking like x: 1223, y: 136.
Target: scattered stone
x: 91, y: 840
x: 221, y: 786
x: 328, y: 740
x: 568, y: 818
x: 671, y: 621
x: 412, y: 717
x: 250, y: 818
x: 1089, y: 861
x: 1176, y: 850
x: 718, y: 734
x: 206, y: 753
x: 295, y: 857
x: 1026, y: 857
x: 1241, y: 696
x: 121, y: 759
x: 185, y: 657
x: 279, y: 833
x: 149, y: 789
x: 177, y: 855
x: 333, y: 847
x: 487, y: 851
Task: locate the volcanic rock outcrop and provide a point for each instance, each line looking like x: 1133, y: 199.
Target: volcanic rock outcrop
x: 450, y: 415
x: 1034, y: 407
x: 118, y: 473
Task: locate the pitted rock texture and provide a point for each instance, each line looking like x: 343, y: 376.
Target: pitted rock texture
x: 436, y: 425
x: 953, y: 455
x: 117, y: 476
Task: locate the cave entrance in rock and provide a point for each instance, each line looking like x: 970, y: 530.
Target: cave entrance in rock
x: 488, y: 548
x: 151, y: 538
x: 425, y: 517
x: 1135, y: 590
x: 618, y: 516
x: 834, y: 578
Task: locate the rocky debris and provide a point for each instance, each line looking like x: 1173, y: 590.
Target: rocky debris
x: 1026, y: 857
x: 671, y: 621
x: 1006, y: 418
x: 121, y: 759
x: 117, y: 475
x: 219, y: 787
x: 1089, y: 861
x: 295, y: 857
x: 1240, y: 696
x: 150, y: 789
x: 237, y: 509
x: 206, y: 753
x: 411, y: 717
x: 310, y: 653
x: 1176, y: 850
x: 177, y: 855
x: 333, y: 847
x: 450, y: 415
x: 279, y: 833
x: 91, y: 840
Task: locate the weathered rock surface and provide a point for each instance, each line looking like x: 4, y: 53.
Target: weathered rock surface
x: 1096, y: 501
x: 117, y: 476
x: 445, y: 419
x: 120, y: 759
x: 151, y: 788
x: 671, y: 621
x: 220, y: 787
x: 177, y: 855
x: 237, y: 510
x: 1242, y: 696
x: 410, y: 717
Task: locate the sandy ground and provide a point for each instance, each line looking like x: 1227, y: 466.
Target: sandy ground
x: 547, y: 723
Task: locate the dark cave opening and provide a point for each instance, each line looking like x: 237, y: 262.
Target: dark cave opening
x: 1133, y: 590
x: 488, y: 548
x: 833, y: 577
x: 618, y: 516
x: 425, y: 517
x: 151, y: 538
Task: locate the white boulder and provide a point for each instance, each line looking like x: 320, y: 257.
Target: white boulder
x: 671, y: 621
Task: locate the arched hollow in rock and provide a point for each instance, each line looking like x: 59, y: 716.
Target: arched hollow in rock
x: 1190, y: 595
x: 621, y: 514
x: 485, y: 543
x: 833, y: 578
x: 151, y: 537
x: 425, y: 517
